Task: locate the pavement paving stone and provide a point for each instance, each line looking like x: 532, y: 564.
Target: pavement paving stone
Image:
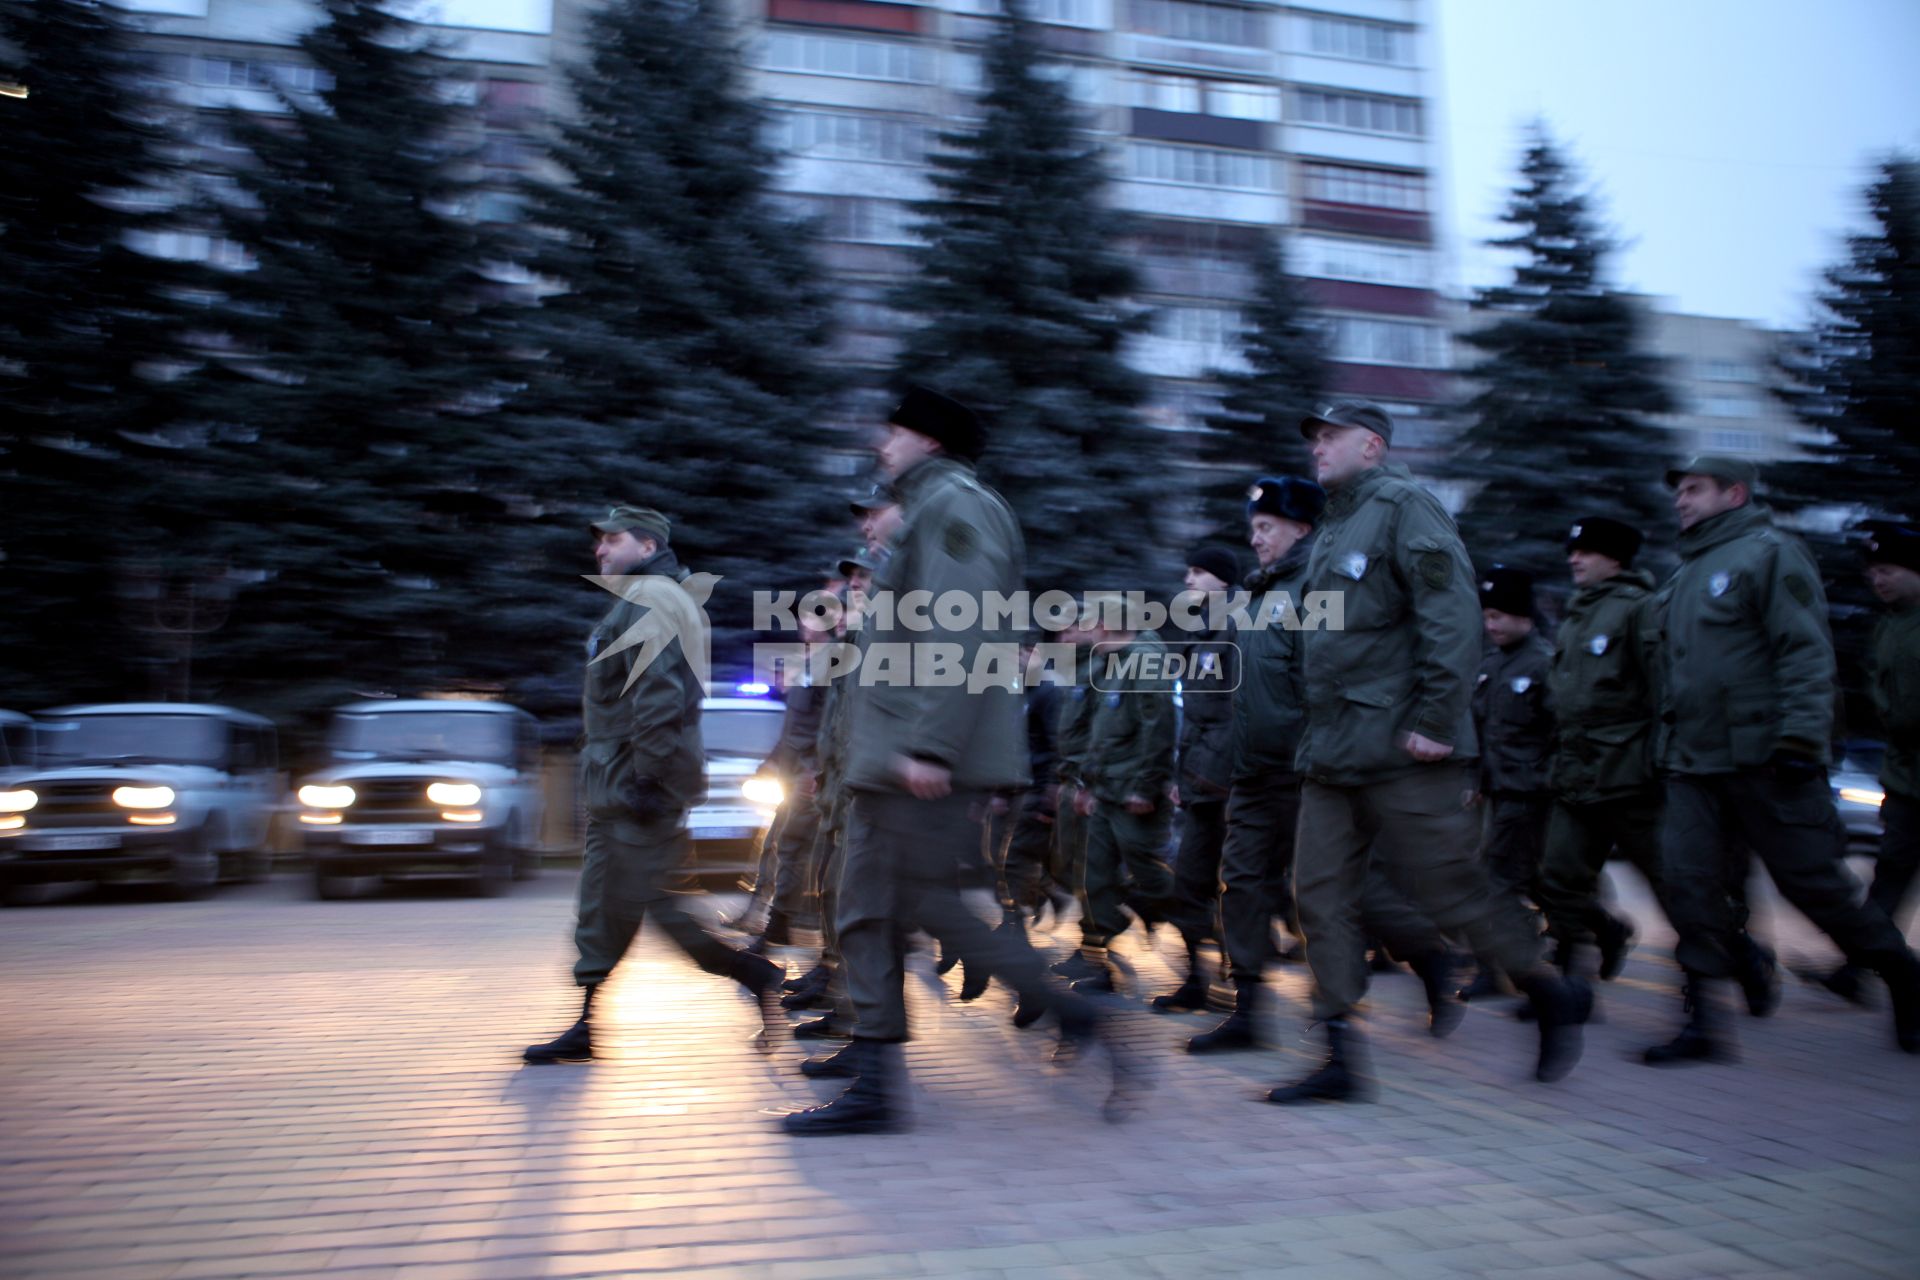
x: 370, y: 1121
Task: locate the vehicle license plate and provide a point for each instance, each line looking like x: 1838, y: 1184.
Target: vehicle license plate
x: 725, y: 833
x: 65, y: 843
x: 401, y: 835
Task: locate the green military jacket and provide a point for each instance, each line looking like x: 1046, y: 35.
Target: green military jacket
x: 1747, y: 659
x: 1893, y: 666
x: 1206, y: 719
x: 1602, y: 686
x: 646, y: 737
x: 1513, y: 714
x: 957, y: 535
x: 1074, y: 725
x: 1131, y: 739
x: 1405, y: 658
x: 1269, y: 705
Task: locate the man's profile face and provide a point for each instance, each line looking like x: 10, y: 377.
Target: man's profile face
x: 622, y: 552
x: 900, y: 449
x: 1698, y: 498
x: 1271, y: 537
x: 1894, y: 584
x: 1341, y: 453
x: 1589, y: 567
x: 1505, y: 628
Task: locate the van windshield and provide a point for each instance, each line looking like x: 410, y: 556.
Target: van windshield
x: 423, y: 735
x: 133, y: 739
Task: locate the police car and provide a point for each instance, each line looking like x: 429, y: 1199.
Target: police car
x: 424, y: 789
x: 179, y: 793
x: 739, y: 729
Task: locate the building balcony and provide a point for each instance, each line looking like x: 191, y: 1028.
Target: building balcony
x: 859, y: 15
x: 1387, y: 382
x: 1366, y: 220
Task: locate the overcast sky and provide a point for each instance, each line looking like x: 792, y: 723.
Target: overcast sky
x: 1726, y: 140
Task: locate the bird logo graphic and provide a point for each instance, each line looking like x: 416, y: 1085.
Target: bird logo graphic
x: 670, y: 611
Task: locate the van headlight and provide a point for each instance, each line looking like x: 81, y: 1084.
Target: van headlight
x: 454, y: 795
x: 17, y: 801
x: 143, y: 797
x: 764, y: 791
x: 321, y: 797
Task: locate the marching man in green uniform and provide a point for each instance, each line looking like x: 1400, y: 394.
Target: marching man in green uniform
x: 1605, y: 796
x: 1746, y: 714
x: 925, y: 757
x: 1388, y: 744
x: 1892, y: 556
x: 643, y: 768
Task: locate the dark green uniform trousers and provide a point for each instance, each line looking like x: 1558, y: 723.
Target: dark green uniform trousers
x: 903, y: 865
x: 1196, y: 866
x: 794, y: 877
x: 1899, y: 860
x: 1516, y: 837
x: 623, y: 880
x: 1710, y: 823
x: 1126, y: 856
x: 1413, y: 828
x: 1256, y: 871
x: 1581, y: 838
x: 1070, y: 853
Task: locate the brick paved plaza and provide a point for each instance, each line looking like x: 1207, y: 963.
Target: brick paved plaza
x: 264, y: 1085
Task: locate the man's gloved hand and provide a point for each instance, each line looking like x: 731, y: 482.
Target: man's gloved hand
x: 1793, y: 763
x: 643, y: 798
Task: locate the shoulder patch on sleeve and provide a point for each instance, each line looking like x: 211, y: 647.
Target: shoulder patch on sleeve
x: 961, y: 540
x: 1797, y: 588
x: 1435, y: 568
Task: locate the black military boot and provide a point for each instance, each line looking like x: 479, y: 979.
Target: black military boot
x: 1237, y: 1031
x: 827, y: 1027
x: 841, y: 1064
x: 1758, y: 975
x: 1561, y: 1007
x: 1082, y: 964
x: 575, y: 1044
x: 809, y: 992
x: 1337, y: 1079
x: 779, y: 930
x: 761, y: 978
x: 1702, y: 1039
x: 819, y: 973
x: 1486, y: 985
x: 1435, y: 971
x: 1191, y: 994
x: 868, y: 1105
x: 1615, y: 939
x: 1901, y: 972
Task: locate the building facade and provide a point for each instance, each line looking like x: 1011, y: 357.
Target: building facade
x: 1220, y: 121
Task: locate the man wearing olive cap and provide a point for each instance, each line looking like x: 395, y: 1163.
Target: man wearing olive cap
x: 642, y: 768
x: 1746, y: 715
x: 1388, y: 744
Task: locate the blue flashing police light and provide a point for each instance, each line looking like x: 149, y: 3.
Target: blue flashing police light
x: 753, y: 690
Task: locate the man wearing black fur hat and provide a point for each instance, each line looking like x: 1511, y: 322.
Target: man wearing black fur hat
x: 1513, y: 716
x: 924, y: 759
x: 1891, y: 554
x: 1606, y: 798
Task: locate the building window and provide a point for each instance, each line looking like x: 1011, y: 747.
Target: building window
x: 843, y: 56
x: 1060, y: 13
x: 1211, y: 326
x: 1363, y: 41
x: 1378, y: 188
x: 1725, y: 407
x: 1728, y: 371
x: 509, y: 102
x: 844, y: 136
x: 1199, y: 166
x: 857, y: 219
x: 234, y: 73
x: 1362, y: 261
x: 1230, y: 99
x: 1736, y: 442
x: 1366, y: 340
x: 1207, y: 23
x: 1365, y: 112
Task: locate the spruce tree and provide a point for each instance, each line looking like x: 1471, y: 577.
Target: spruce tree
x: 1852, y: 381
x: 85, y: 321
x: 682, y: 363
x: 1557, y: 423
x: 1256, y: 430
x: 347, y: 404
x: 1022, y: 292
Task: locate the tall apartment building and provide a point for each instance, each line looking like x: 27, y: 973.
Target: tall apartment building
x: 1720, y: 372
x: 1220, y: 120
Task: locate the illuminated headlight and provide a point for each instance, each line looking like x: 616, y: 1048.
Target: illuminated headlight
x: 468, y: 815
x: 143, y: 797
x: 326, y: 797
x: 1861, y: 795
x: 454, y: 795
x: 12, y: 822
x: 17, y: 801
x: 321, y: 819
x: 764, y: 791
